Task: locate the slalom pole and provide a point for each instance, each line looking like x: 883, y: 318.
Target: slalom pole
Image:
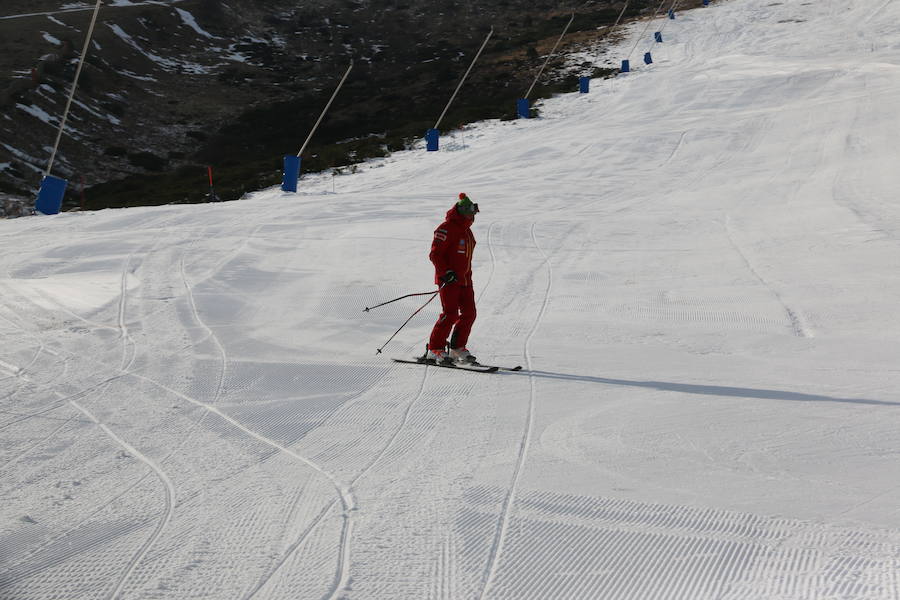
x: 418, y: 310
x: 62, y: 124
x: 327, y: 106
x: 212, y: 191
x: 549, y: 56
x: 463, y: 80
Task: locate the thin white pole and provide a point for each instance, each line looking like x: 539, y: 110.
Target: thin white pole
x: 461, y: 81
x: 616, y: 24
x: 62, y: 123
x: 644, y: 32
x: 327, y: 106
x: 549, y: 56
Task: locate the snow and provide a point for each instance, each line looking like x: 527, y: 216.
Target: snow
x: 81, y: 6
x: 51, y: 39
x: 166, y: 64
x: 127, y: 73
x: 26, y: 159
x: 36, y: 112
x: 56, y: 21
x: 191, y: 22
x: 111, y: 118
x: 697, y: 263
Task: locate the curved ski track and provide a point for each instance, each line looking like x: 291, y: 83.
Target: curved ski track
x: 169, y: 500
x: 343, y: 576
x: 798, y: 327
x: 503, y: 526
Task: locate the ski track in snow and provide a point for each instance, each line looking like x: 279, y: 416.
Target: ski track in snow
x: 343, y: 574
x: 497, y: 547
x: 798, y: 326
x: 169, y: 499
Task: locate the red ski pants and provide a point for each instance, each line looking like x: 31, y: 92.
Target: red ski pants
x: 457, y: 315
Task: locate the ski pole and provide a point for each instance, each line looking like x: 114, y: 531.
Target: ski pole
x: 405, y: 322
x: 418, y: 310
x: 368, y: 308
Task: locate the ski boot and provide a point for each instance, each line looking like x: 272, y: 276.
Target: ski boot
x: 462, y: 356
x: 437, y: 357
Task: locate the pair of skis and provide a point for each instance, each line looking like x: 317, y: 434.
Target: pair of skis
x: 474, y: 367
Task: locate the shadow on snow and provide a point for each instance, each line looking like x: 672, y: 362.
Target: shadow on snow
x: 707, y: 390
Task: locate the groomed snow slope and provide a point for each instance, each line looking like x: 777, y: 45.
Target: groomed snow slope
x: 698, y: 263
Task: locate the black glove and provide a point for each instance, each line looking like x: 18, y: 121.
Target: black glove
x: 448, y: 277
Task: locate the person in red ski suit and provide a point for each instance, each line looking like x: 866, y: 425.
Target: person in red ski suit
x: 451, y: 254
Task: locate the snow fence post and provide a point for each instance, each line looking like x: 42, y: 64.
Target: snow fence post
x: 658, y: 37
x: 523, y: 108
x: 291, y: 173
x: 626, y: 66
x: 50, y: 198
x: 431, y: 139
x: 648, y: 58
x: 584, y: 84
x: 671, y: 13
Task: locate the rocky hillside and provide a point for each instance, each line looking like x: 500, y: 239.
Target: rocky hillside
x: 171, y: 86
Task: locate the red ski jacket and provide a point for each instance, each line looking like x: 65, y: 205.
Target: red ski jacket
x: 452, y: 247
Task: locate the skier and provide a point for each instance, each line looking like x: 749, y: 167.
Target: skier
x: 451, y: 254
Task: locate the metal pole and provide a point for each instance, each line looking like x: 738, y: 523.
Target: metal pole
x: 549, y: 56
x: 675, y: 3
x: 649, y: 22
x: 327, y: 106
x: 616, y: 24
x: 477, y: 54
x: 62, y: 123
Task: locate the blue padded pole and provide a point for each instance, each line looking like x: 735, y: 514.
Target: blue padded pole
x: 431, y: 139
x: 523, y: 108
x: 291, y: 173
x: 50, y: 198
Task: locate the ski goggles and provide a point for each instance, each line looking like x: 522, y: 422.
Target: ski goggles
x: 468, y: 209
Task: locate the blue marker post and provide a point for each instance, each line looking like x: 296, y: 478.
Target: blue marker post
x: 658, y: 37
x: 626, y: 66
x: 50, y: 198
x: 705, y: 2
x: 431, y: 139
x: 523, y: 108
x: 671, y: 13
x: 291, y: 173
x: 648, y: 59
x: 584, y: 84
